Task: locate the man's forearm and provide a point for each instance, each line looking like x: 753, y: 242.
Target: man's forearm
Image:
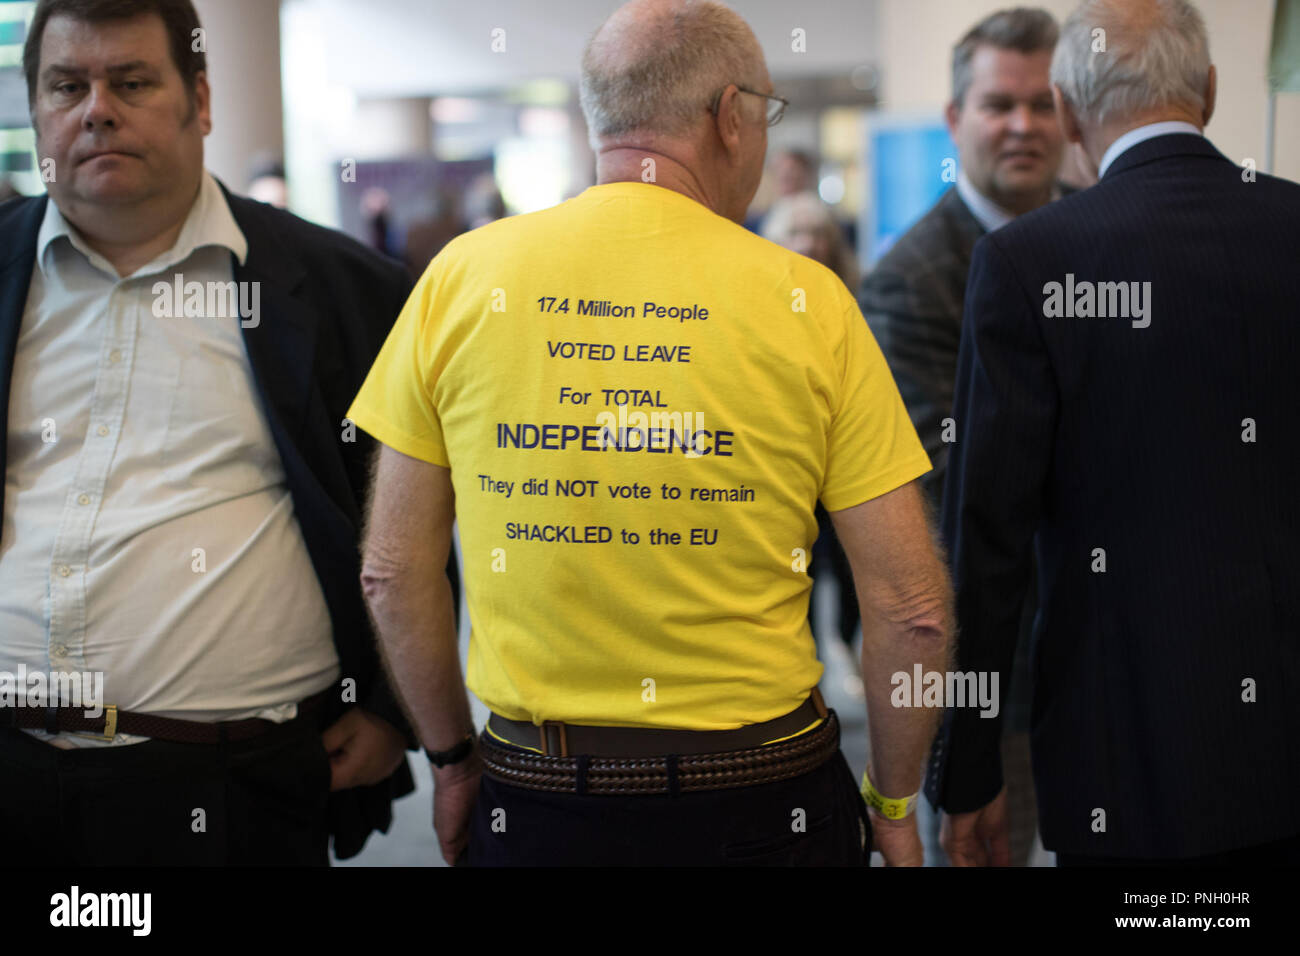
x: 415, y: 621
x: 901, y: 736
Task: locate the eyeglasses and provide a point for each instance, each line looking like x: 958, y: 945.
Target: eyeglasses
x: 775, y: 107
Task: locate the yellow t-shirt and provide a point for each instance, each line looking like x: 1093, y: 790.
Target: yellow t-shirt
x: 640, y: 403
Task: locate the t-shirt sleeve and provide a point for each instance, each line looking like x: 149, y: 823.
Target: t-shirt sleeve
x: 395, y: 403
x: 873, y: 447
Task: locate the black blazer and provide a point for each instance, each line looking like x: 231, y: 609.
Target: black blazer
x: 327, y: 304
x: 1090, y: 433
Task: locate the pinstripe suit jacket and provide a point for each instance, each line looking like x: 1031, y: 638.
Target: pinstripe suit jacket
x: 1153, y: 459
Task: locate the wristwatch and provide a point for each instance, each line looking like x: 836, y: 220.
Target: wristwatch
x: 443, y: 758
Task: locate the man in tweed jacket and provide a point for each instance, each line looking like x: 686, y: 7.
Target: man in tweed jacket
x: 1009, y: 145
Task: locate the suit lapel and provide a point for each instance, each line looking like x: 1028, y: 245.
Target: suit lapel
x: 282, y: 345
x: 963, y: 222
x: 965, y: 232
x: 17, y: 257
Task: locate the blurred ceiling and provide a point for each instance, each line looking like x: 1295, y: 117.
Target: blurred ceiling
x: 397, y: 48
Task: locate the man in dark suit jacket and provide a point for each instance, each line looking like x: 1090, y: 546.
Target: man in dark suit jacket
x: 1126, y: 392
x: 326, y: 305
x: 1009, y: 144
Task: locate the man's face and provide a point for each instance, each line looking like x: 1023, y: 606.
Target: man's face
x: 113, y: 113
x: 1006, y: 130
x: 791, y: 175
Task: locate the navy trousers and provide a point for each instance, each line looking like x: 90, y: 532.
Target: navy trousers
x: 817, y: 819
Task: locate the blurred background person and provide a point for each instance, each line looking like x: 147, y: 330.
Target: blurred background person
x: 376, y: 208
x: 267, y: 183
x: 794, y: 171
x: 483, y: 202
x: 426, y: 236
x: 804, y: 224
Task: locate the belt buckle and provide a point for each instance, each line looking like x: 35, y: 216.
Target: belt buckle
x: 558, y: 725
x: 110, y: 726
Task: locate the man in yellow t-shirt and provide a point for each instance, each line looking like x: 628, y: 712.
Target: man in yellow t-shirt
x: 632, y: 405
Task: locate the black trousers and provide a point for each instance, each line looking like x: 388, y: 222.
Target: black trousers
x: 1277, y: 853
x: 257, y: 802
x: 817, y: 819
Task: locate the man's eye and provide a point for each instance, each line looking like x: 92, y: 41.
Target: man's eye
x: 66, y: 88
x: 134, y: 84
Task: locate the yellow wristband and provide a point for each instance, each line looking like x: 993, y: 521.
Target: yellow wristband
x: 891, y: 808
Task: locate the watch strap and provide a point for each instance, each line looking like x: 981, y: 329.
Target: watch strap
x: 443, y: 758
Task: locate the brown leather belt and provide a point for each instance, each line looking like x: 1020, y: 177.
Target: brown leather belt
x: 667, y: 772
x: 556, y: 738
x: 73, y: 720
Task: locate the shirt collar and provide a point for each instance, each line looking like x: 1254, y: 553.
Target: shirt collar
x: 209, y: 223
x: 986, y: 212
x: 1140, y: 135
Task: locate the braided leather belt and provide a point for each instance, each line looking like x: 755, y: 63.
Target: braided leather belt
x: 72, y: 720
x: 664, y: 774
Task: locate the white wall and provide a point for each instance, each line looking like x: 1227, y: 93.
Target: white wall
x: 243, y: 47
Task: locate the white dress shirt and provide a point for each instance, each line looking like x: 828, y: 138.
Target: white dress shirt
x: 1141, y: 135
x: 155, y: 540
x: 986, y: 212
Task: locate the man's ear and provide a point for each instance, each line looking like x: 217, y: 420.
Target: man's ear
x: 952, y: 115
x: 203, y: 102
x: 1066, y: 116
x: 1211, y: 92
x: 729, y: 119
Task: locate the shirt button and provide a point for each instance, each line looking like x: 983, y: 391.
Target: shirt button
x: 60, y: 650
x: 64, y: 571
x: 102, y: 431
x: 83, y: 499
x: 115, y: 356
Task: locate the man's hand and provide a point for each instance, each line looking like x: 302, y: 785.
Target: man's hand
x: 455, y: 788
x: 978, y: 838
x: 363, y: 749
x: 897, y: 840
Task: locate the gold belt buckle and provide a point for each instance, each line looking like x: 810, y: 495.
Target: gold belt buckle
x: 110, y: 726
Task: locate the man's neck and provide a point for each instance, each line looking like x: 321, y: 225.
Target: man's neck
x: 1020, y: 203
x: 627, y: 164
x: 1008, y: 205
x: 130, y: 237
x: 1098, y: 140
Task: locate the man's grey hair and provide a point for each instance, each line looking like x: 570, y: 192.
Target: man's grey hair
x: 1023, y: 29
x: 662, y: 76
x: 1110, y: 65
